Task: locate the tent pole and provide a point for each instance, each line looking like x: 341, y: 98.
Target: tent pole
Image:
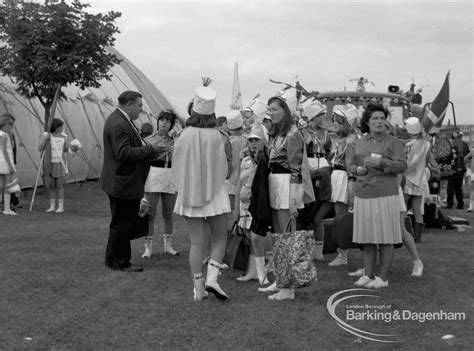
x: 36, y: 182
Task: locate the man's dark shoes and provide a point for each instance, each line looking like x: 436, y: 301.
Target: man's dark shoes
x: 460, y: 206
x: 132, y: 268
x: 125, y: 267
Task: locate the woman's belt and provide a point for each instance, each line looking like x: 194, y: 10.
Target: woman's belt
x: 275, y: 168
x: 316, y: 154
x: 160, y: 164
x: 338, y: 168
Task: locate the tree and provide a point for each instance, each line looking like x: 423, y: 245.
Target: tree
x: 45, y: 46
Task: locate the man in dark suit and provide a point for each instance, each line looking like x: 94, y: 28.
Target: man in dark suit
x: 455, y: 184
x: 124, y: 172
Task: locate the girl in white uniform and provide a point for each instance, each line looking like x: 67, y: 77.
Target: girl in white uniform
x: 159, y: 185
x: 7, y: 167
x: 56, y: 143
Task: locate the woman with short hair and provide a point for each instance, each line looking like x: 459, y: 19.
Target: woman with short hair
x: 376, y: 160
x: 159, y: 185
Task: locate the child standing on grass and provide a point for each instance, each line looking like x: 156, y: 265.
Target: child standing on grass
x: 243, y: 197
x: 7, y: 168
x: 56, y: 143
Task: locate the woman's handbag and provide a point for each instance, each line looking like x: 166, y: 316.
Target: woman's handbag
x: 343, y: 230
x: 238, y: 249
x: 293, y: 258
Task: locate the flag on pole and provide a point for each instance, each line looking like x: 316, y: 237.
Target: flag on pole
x: 236, y: 101
x: 434, y: 117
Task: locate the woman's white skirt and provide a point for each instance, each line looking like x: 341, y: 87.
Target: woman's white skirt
x: 279, y: 191
x: 339, y: 184
x: 377, y: 220
x: 403, y: 206
x: 317, y: 162
x: 160, y: 180
x: 218, y: 205
x: 422, y: 190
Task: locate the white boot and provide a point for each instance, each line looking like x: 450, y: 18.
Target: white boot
x: 251, y: 271
x: 417, y: 269
x: 340, y: 260
x: 199, y: 292
x: 283, y: 294
x: 212, y: 286
x: 318, y: 252
x: 6, y: 205
x: 261, y: 272
x: 60, y: 206
x: 168, y: 245
x: 148, y: 247
x: 52, y: 205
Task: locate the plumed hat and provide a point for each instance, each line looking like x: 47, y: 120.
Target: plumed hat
x: 348, y: 111
x: 314, y: 109
x: 289, y: 97
x: 204, y: 101
x: 258, y: 107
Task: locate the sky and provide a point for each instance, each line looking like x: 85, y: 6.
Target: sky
x: 324, y: 43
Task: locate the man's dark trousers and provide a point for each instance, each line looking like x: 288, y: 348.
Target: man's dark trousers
x: 455, y: 187
x: 121, y: 230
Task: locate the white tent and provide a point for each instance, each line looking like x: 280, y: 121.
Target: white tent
x: 83, y: 112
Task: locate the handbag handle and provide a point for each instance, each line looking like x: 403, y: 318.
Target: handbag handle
x: 291, y: 223
x: 290, y: 226
x: 233, y: 227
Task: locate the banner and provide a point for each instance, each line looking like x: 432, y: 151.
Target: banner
x: 236, y: 101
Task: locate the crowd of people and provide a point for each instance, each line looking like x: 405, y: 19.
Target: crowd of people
x: 260, y: 168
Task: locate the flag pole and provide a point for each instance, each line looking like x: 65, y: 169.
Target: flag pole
x: 48, y: 128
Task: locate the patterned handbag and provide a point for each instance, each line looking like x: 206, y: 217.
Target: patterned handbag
x: 293, y: 258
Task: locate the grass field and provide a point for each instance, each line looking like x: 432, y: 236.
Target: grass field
x: 56, y: 294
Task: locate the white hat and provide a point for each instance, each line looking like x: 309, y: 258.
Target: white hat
x: 75, y: 145
x: 313, y: 110
x: 413, y: 125
x: 234, y: 119
x: 289, y: 96
x: 205, y: 101
x: 348, y: 111
x: 258, y: 107
x: 13, y: 186
x: 257, y: 132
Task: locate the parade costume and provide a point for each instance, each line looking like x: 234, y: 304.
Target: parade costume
x: 159, y: 181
